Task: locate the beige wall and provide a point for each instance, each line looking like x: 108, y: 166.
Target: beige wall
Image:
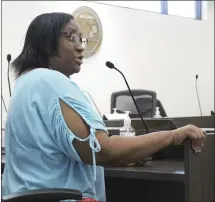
x: 157, y: 52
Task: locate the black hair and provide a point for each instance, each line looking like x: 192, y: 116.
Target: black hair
x: 41, y: 42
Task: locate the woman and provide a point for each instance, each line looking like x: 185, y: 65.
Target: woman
x: 54, y: 138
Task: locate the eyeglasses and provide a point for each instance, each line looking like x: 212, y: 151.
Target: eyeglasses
x: 76, y: 39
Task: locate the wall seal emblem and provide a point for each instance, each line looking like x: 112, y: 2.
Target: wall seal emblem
x: 91, y: 28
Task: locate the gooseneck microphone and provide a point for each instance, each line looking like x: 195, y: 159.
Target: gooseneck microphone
x: 4, y: 103
x: 8, y: 76
x: 8, y: 60
x: 111, y: 66
x: 197, y: 93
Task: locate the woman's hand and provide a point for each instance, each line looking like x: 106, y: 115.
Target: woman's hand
x: 195, y: 134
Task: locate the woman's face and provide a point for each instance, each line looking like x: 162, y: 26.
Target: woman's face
x: 70, y: 50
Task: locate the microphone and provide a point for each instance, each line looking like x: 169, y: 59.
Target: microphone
x: 4, y: 103
x: 111, y: 66
x: 8, y: 76
x: 197, y: 93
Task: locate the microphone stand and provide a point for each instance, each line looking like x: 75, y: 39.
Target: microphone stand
x: 4, y: 103
x: 198, y: 96
x: 147, y: 130
x: 8, y: 76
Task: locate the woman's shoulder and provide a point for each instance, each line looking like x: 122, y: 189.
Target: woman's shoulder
x: 44, y: 73
x: 45, y: 81
x: 43, y: 76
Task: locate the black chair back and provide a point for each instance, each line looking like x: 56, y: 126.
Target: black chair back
x: 43, y: 195
x: 145, y: 99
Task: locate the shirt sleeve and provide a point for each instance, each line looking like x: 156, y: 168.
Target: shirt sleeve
x: 70, y: 93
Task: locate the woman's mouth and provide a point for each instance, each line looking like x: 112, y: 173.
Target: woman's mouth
x: 79, y: 60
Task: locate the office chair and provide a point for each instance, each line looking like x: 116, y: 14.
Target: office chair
x: 43, y: 195
x: 161, y: 108
x: 145, y: 99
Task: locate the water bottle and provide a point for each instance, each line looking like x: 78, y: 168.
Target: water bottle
x: 157, y: 113
x: 127, y: 129
x: 114, y: 110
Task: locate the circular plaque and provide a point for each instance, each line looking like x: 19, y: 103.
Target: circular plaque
x: 91, y: 28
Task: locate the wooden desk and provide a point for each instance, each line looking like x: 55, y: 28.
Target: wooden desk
x: 163, y: 170
x: 176, y: 177
x: 199, y: 121
x: 190, y: 179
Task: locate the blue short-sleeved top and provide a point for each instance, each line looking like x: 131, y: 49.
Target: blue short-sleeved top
x: 38, y: 143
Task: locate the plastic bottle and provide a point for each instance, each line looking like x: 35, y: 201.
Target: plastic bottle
x: 157, y: 113
x: 127, y: 129
x: 115, y: 114
x: 114, y: 111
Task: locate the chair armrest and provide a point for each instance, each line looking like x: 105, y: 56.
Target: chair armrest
x: 43, y: 195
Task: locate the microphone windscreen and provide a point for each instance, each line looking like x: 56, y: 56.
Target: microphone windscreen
x: 197, y: 76
x: 8, y: 57
x: 109, y: 64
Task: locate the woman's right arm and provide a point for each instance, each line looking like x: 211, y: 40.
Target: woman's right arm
x: 119, y: 151
x: 123, y: 150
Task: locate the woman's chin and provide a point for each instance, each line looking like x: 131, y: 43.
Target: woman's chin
x: 77, y: 68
